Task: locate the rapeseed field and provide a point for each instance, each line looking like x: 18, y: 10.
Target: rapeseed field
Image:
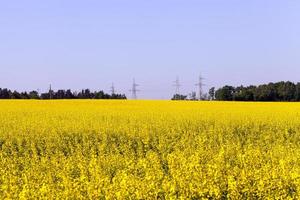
x: 97, y: 149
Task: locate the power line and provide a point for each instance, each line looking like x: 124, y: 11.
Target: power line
x: 200, y: 85
x: 134, y: 90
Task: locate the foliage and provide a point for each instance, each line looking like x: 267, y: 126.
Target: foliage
x: 212, y: 93
x: 280, y: 91
x: 60, y: 94
x: 225, y: 93
x: 102, y: 149
x: 179, y: 97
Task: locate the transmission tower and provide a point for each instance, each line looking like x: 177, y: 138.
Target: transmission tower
x: 134, y: 90
x: 50, y: 92
x: 112, y: 89
x: 177, y: 85
x: 200, y: 85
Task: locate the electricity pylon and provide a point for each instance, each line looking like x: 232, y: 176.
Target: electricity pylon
x: 177, y: 85
x: 134, y: 90
x: 50, y: 92
x: 177, y: 88
x: 200, y: 85
x: 112, y: 89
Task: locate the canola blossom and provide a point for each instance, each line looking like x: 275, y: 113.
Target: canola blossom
x: 106, y: 149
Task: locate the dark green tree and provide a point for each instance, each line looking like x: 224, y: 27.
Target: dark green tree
x: 297, y: 92
x: 225, y: 93
x: 33, y: 95
x: 179, y: 97
x: 211, y: 93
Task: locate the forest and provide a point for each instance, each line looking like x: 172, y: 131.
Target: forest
x: 279, y: 91
x: 59, y: 94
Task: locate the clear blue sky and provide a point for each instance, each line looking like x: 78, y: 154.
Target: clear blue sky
x: 89, y: 44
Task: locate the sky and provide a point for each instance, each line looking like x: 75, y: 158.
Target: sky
x: 90, y: 44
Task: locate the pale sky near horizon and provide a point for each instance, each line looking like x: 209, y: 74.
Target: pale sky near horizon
x: 90, y: 44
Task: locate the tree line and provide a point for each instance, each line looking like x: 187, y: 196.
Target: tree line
x: 279, y: 91
x: 59, y: 94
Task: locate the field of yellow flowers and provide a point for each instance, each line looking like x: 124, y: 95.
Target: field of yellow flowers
x: 94, y: 149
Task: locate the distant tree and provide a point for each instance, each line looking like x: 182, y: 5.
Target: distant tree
x: 33, y: 95
x: 25, y: 95
x: 16, y: 95
x: 286, y: 91
x: 266, y: 92
x: 69, y: 94
x: 179, y: 97
x: 225, y: 93
x: 212, y: 93
x: 60, y: 94
x: 297, y: 92
x: 118, y: 96
x: 242, y: 93
x: 5, y: 93
x: 249, y: 93
x: 45, y: 96
x: 87, y: 94
x: 280, y: 91
x: 99, y: 95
